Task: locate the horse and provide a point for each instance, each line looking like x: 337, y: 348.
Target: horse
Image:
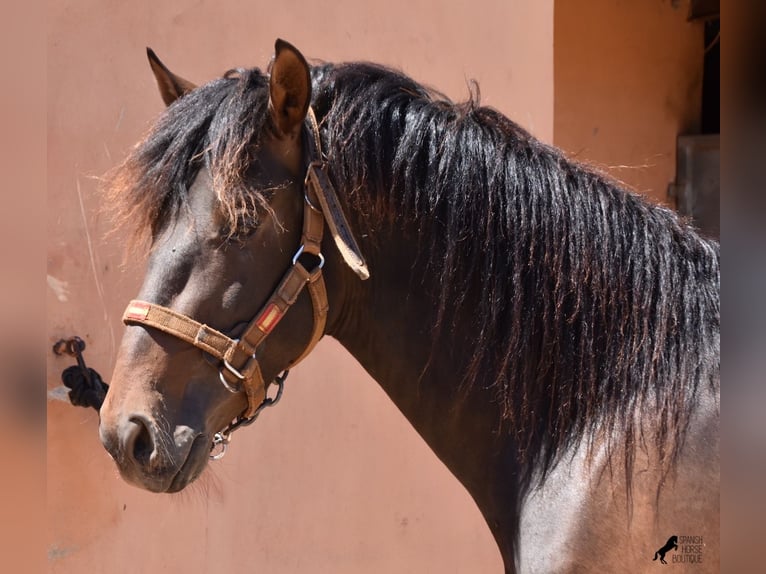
x: 552, y: 335
x: 671, y: 544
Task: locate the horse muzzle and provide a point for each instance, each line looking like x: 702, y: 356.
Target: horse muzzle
x: 149, y: 457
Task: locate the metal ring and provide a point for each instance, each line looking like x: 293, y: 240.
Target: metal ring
x: 226, y: 384
x: 223, y: 441
x: 309, y: 203
x: 280, y: 388
x: 233, y: 371
x: 300, y: 252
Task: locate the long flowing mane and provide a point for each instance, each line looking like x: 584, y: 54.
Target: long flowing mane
x: 593, y: 304
x: 589, y: 304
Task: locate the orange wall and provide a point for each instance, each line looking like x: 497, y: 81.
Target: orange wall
x: 628, y: 80
x: 334, y: 479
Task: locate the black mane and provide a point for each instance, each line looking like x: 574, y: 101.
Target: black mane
x: 590, y: 303
x: 217, y: 126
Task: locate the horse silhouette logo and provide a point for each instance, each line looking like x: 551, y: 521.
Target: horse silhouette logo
x: 671, y: 544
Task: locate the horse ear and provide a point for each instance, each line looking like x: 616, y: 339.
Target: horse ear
x: 171, y: 86
x: 289, y: 88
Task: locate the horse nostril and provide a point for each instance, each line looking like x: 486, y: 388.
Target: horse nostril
x: 140, y: 444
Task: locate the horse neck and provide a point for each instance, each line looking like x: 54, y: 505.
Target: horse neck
x: 386, y: 323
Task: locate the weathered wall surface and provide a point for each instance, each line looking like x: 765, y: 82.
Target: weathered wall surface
x: 628, y: 80
x: 334, y: 480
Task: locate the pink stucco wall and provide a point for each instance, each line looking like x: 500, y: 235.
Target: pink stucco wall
x: 628, y: 80
x: 334, y: 480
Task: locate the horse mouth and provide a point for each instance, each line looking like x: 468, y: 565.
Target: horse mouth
x: 192, y: 466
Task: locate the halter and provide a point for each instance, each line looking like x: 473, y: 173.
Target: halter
x: 239, y: 369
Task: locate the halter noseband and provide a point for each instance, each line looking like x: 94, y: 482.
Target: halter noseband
x: 239, y: 369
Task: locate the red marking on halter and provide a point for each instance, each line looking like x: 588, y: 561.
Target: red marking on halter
x: 269, y: 318
x: 137, y: 311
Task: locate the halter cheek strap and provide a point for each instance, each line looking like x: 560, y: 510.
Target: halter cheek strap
x: 240, y: 369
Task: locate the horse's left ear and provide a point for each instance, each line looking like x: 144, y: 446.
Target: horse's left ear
x: 171, y: 86
x: 289, y: 89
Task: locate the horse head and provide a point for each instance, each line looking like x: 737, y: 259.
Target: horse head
x: 195, y: 355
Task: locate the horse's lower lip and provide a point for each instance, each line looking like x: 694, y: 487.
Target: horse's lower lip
x: 192, y: 467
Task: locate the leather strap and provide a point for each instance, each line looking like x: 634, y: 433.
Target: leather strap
x: 336, y: 220
x: 319, y: 182
x: 240, y: 367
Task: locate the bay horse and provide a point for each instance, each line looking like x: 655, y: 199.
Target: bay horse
x: 551, y: 335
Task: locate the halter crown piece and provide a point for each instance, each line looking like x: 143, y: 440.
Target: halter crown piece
x: 239, y: 369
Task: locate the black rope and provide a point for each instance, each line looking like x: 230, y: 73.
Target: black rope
x: 88, y: 389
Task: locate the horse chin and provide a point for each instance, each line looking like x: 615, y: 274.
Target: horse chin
x: 192, y: 466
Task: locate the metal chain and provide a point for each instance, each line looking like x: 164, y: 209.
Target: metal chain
x: 222, y: 439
